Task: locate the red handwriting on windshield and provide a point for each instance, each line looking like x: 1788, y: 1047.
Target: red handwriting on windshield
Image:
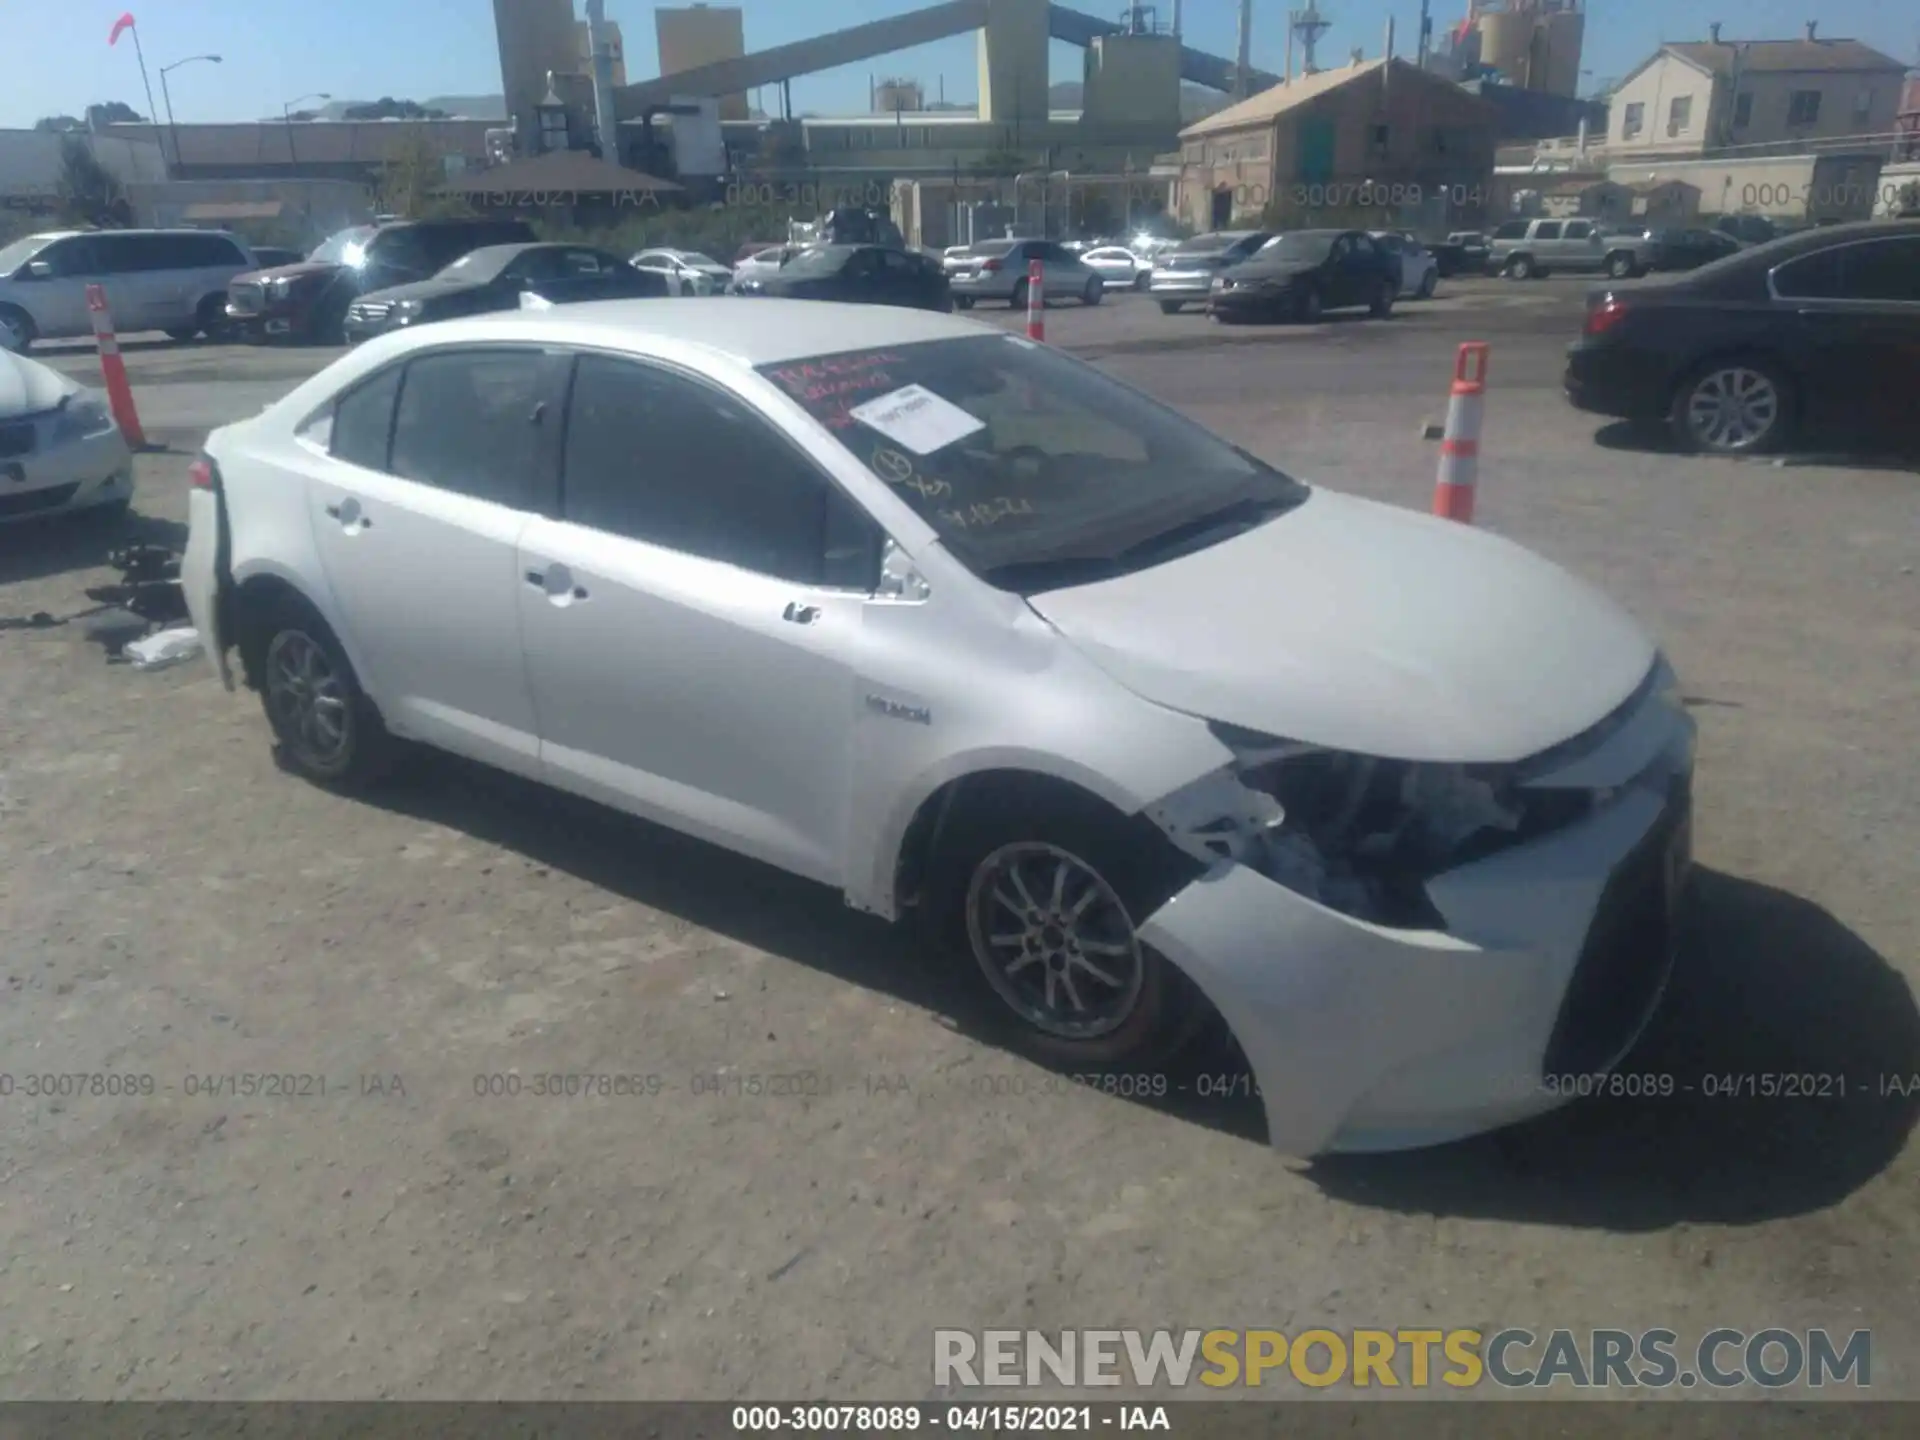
x: 829, y: 386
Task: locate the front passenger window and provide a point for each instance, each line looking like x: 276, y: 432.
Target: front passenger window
x: 470, y: 421
x: 670, y: 461
x: 363, y: 422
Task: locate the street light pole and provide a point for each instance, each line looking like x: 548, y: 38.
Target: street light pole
x: 286, y: 115
x: 173, y: 130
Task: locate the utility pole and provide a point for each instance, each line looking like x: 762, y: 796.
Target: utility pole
x: 1243, y: 60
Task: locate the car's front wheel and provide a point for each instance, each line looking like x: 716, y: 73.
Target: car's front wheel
x: 1308, y: 306
x: 16, y: 330
x: 1096, y: 288
x: 1733, y: 406
x: 1169, y: 307
x: 1520, y: 267
x: 325, y: 728
x: 1047, y: 909
x: 1382, y: 305
x: 1142, y: 280
x: 1621, y: 266
x: 1429, y: 283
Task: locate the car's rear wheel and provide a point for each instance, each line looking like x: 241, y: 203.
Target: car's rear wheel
x: 16, y: 330
x: 1621, y: 266
x: 963, y: 302
x: 1047, y: 907
x: 1429, y: 283
x: 1520, y: 267
x: 1096, y: 287
x: 1735, y: 406
x: 1142, y: 280
x: 325, y: 728
x: 1169, y: 307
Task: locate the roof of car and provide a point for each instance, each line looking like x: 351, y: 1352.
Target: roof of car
x: 751, y: 332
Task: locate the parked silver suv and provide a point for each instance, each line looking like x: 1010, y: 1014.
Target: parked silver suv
x: 1524, y: 249
x: 171, y: 280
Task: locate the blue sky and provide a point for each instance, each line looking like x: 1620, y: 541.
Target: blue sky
x: 58, y: 60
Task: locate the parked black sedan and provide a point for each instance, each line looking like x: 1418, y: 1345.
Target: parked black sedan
x: 1816, y: 334
x: 863, y: 274
x: 1301, y: 273
x: 1688, y: 249
x: 495, y: 278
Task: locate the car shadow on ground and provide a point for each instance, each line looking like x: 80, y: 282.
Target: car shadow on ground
x: 771, y: 911
x: 33, y: 549
x: 1654, y: 438
x: 1772, y: 995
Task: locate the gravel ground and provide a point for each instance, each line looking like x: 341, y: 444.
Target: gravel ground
x: 825, y: 1163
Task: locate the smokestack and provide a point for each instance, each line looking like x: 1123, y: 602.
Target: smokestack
x: 1244, y: 56
x: 1424, y: 42
x: 1388, y: 52
x: 1176, y: 17
x: 1713, y: 32
x: 605, y: 122
x: 1811, y: 25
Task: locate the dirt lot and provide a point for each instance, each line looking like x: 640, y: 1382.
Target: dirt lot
x: 177, y: 909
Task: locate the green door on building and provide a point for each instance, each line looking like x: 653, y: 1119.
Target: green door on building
x: 1315, y: 163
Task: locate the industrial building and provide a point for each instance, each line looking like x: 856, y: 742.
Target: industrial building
x: 1529, y: 45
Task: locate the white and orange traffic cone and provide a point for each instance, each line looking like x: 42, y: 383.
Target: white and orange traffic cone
x: 1036, y: 301
x: 1460, y: 446
x: 113, y: 370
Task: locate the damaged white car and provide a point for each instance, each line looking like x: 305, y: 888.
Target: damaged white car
x: 59, y: 446
x: 954, y: 623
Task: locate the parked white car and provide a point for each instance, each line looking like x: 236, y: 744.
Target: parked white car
x: 171, y: 280
x: 958, y: 624
x: 687, y: 272
x: 1118, y: 267
x: 1419, y: 266
x: 59, y: 446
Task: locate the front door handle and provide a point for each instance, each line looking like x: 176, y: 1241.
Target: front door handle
x: 557, y: 584
x: 351, y: 517
x: 799, y: 614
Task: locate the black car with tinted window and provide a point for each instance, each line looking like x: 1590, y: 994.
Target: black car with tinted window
x: 1298, y: 275
x: 861, y: 274
x: 1816, y: 334
x: 502, y: 277
x: 308, y: 302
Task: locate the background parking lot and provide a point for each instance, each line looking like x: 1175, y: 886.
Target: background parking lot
x: 819, y: 1163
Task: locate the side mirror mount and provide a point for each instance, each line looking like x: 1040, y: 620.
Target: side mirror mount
x: 899, y: 580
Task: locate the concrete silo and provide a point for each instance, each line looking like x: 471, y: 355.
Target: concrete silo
x: 1557, y: 68
x: 535, y: 36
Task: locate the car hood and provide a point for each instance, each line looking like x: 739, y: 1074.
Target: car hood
x: 420, y: 290
x: 1368, y: 628
x: 29, y: 388
x: 302, y: 271
x: 1272, y: 270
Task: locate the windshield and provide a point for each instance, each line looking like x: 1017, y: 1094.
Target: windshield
x: 482, y: 264
x: 1309, y: 247
x: 1208, y: 244
x: 699, y: 261
x: 1035, y: 469
x: 13, y: 256
x: 344, y: 248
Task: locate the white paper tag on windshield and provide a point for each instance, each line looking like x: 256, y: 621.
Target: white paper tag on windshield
x: 914, y: 417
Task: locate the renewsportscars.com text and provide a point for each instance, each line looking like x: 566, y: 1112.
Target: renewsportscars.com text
x: 1416, y: 1359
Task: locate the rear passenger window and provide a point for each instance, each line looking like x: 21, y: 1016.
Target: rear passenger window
x: 469, y: 421
x: 363, y: 421
x: 1547, y: 230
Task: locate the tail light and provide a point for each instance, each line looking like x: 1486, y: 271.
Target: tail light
x: 201, y: 474
x: 989, y: 264
x: 1604, y: 316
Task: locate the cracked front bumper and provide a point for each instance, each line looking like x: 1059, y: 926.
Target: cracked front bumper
x: 1554, y: 956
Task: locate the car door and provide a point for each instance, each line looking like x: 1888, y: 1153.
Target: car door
x: 1856, y: 309
x: 901, y: 282
x: 430, y: 472
x: 1580, y: 247
x: 1341, y: 272
x: 58, y: 298
x: 693, y: 617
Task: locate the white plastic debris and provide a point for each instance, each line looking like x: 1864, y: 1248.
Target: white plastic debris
x: 164, y: 648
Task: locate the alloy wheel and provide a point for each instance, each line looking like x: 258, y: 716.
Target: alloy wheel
x: 1733, y: 408
x: 308, y: 699
x: 1055, y: 941
x: 13, y: 333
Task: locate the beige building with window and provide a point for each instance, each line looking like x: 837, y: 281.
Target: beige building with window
x: 1753, y: 96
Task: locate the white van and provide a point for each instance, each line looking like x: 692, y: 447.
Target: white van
x: 171, y: 280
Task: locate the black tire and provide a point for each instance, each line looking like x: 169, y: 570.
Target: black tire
x: 1621, y: 266
x: 1381, y: 307
x: 1756, y: 418
x: 1142, y: 281
x: 212, y: 316
x: 963, y: 302
x: 1096, y: 288
x: 1429, y: 284
x: 1018, y: 300
x: 1520, y: 267
x: 1157, y: 1010
x: 1169, y: 307
x: 181, y: 337
x: 281, y: 638
x: 1308, y: 306
x: 21, y: 324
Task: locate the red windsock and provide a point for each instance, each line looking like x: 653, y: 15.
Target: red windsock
x: 125, y: 22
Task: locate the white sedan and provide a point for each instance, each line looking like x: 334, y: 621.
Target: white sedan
x: 1119, y: 267
x: 687, y: 272
x: 59, y: 446
x: 955, y: 623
